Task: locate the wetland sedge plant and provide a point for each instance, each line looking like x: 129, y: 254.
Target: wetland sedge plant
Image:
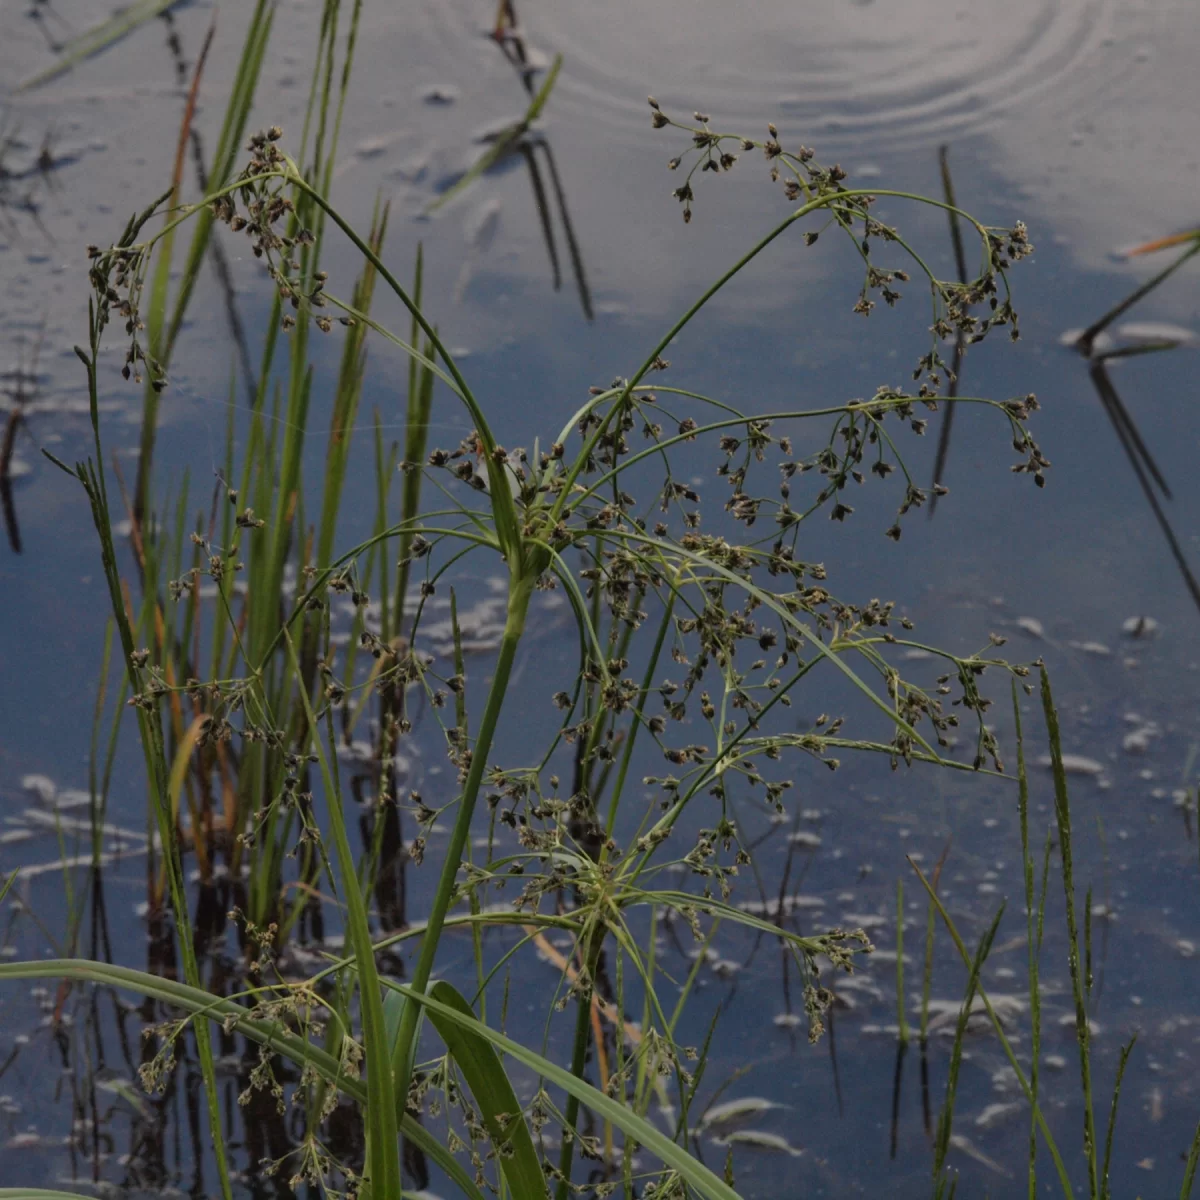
x: 693, y: 638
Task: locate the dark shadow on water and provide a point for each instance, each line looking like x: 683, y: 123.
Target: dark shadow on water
x: 520, y: 141
x: 1144, y: 468
x: 960, y: 338
x: 133, y: 1139
x: 23, y: 174
x: 1150, y: 478
x: 926, y: 1107
x: 9, y: 510
x: 528, y: 150
x: 897, y: 1080
x: 1147, y: 471
x: 1087, y: 339
x: 22, y: 392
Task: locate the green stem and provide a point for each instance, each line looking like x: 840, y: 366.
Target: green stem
x: 1062, y: 809
x: 383, y: 1163
x: 91, y: 476
x: 1034, y: 989
x: 824, y: 201
x: 583, y: 1028
x: 638, y: 721
x: 520, y: 592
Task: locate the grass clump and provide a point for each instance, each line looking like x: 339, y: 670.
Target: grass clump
x: 695, y: 633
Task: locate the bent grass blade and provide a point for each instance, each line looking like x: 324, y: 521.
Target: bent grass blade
x: 502, y: 1116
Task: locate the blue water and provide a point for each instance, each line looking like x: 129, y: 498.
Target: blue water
x: 1073, y: 116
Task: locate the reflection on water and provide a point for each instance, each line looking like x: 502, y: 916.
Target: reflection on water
x: 1137, y: 340
x: 1058, y: 113
x: 960, y: 338
x: 20, y: 392
x: 862, y: 72
x: 1148, y: 475
x: 519, y: 141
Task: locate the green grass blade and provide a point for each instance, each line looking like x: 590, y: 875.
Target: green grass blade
x: 155, y: 312
x: 1189, y: 1172
x: 927, y: 973
x: 504, y: 143
x: 91, y: 477
x: 416, y: 436
x: 235, y: 1016
x: 1013, y: 1061
x: 38, y: 1194
x: 504, y: 513
x: 346, y: 397
x: 498, y: 1103
x: 520, y: 592
x: 237, y: 113
x: 1087, y: 943
x: 380, y: 1114
x: 1089, y: 335
x: 693, y: 1173
x: 1062, y: 813
x: 539, y: 101
x: 1126, y: 1051
x: 1035, y: 999
x: 946, y: 1120
x: 593, y: 942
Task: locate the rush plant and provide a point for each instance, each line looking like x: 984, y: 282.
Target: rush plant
x: 694, y: 635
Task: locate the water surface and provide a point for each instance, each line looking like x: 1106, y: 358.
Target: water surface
x: 1076, y: 117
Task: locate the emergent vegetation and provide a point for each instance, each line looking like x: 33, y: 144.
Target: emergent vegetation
x: 259, y: 660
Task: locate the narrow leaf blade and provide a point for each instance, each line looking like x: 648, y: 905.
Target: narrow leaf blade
x: 498, y: 1103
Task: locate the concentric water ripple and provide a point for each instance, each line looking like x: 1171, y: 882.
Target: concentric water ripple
x: 906, y: 71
